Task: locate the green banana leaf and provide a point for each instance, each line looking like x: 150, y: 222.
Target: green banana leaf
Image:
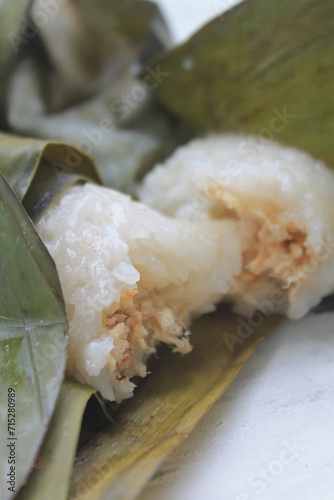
x: 33, y: 340
x: 119, y: 460
x: 76, y: 66
x: 83, y: 89
x: 12, y: 24
x: 37, y: 170
x: 264, y: 68
x: 52, y: 472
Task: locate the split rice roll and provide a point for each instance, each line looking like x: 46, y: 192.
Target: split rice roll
x: 229, y: 219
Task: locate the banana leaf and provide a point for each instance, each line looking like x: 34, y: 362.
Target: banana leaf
x: 38, y: 170
x: 33, y: 341
x: 12, y: 18
x: 119, y: 460
x: 263, y: 68
x: 83, y: 89
x: 96, y: 48
x: 52, y: 470
x: 124, y: 135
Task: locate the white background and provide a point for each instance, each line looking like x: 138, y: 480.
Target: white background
x: 187, y: 16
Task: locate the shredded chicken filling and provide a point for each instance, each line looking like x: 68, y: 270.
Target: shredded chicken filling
x: 272, y: 250
x: 135, y: 323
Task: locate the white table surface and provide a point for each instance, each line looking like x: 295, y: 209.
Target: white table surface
x: 271, y: 435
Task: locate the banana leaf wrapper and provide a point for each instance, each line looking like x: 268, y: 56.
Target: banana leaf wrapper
x: 38, y: 170
x: 33, y: 341
x: 263, y: 69
x: 53, y: 467
x: 33, y: 325
x: 12, y: 16
x: 81, y: 87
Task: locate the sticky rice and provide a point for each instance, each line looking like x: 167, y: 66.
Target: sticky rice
x: 131, y: 278
x: 282, y: 202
